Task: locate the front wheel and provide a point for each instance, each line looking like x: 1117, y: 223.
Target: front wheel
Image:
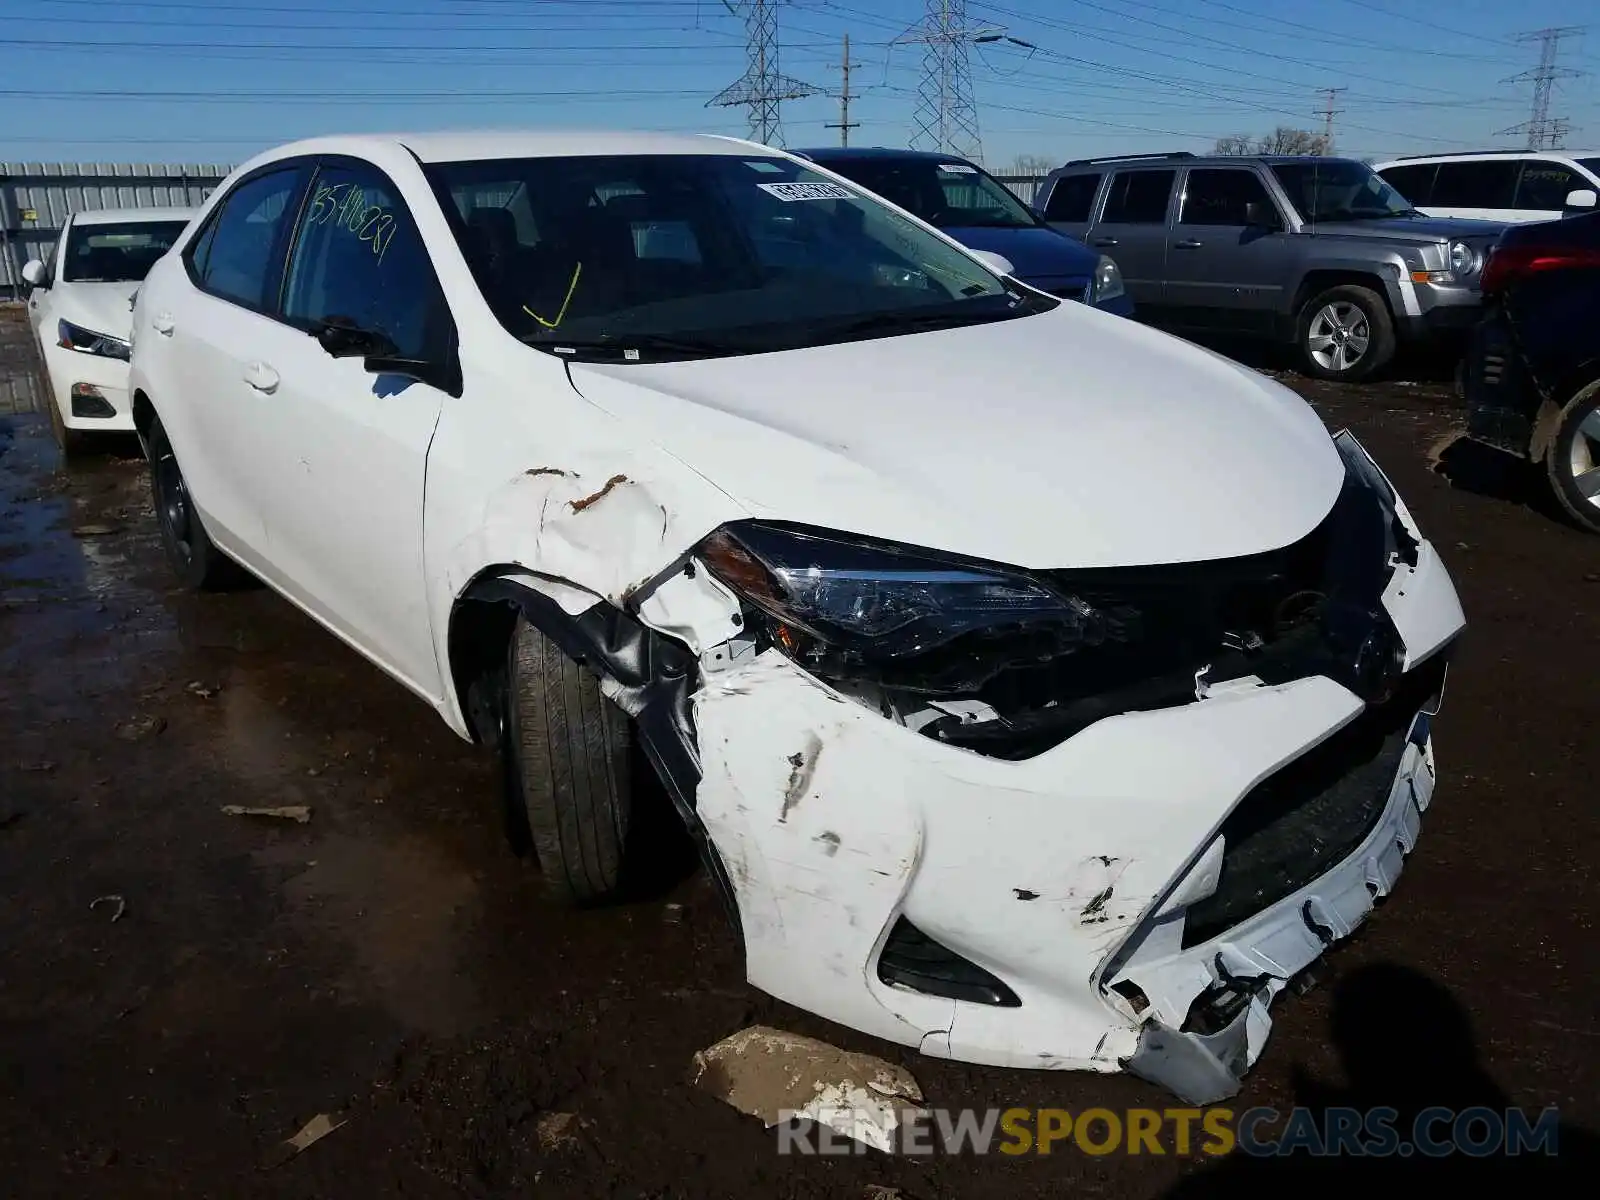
x: 1344, y: 334
x: 69, y: 441
x: 1572, y: 463
x: 568, y: 754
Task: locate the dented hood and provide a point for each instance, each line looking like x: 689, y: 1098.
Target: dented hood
x: 1070, y: 438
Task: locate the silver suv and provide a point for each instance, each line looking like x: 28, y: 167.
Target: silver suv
x: 1319, y: 253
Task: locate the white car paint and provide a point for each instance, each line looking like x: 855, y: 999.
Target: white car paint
x: 1580, y: 163
x: 1069, y: 439
x: 101, y: 307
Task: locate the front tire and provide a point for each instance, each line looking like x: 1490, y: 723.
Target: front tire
x: 568, y: 760
x: 68, y: 441
x: 1572, y: 463
x: 1344, y: 334
x: 195, y: 560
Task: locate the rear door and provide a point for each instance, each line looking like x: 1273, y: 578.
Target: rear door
x: 1131, y: 227
x: 1542, y: 189
x: 1228, y: 253
x: 1479, y: 189
x: 211, y: 329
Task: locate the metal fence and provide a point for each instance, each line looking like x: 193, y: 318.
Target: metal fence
x: 36, y: 198
x: 1025, y: 187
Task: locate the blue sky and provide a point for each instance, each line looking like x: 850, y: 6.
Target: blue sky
x: 192, y: 81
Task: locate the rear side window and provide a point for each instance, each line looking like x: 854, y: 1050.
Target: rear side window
x: 238, y: 256
x: 1138, y: 198
x: 1223, y: 197
x: 1415, y: 182
x: 1072, y: 198
x: 1485, y: 184
x: 1544, y: 185
x: 359, y: 260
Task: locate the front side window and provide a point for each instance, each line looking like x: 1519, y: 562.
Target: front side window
x: 359, y: 261
x: 1544, y: 185
x: 1486, y: 183
x: 121, y: 253
x: 236, y: 257
x: 1072, y: 199
x: 949, y: 194
x: 1338, y: 189
x: 1224, y: 197
x: 641, y: 257
x: 1138, y: 198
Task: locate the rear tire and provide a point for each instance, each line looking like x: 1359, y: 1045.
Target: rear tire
x: 568, y: 762
x: 1572, y: 463
x: 195, y: 560
x: 1344, y: 334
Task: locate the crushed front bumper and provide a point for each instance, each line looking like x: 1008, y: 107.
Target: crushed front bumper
x: 1059, y: 876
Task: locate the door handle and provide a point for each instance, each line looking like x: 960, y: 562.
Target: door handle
x: 163, y: 324
x: 1187, y: 244
x: 261, y: 377
x: 1104, y: 241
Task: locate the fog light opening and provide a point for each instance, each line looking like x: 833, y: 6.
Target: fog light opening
x: 89, y: 401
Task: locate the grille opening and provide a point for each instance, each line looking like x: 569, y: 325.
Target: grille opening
x: 1302, y: 821
x: 911, y: 959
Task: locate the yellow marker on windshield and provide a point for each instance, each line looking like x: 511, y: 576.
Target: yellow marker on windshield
x: 560, y: 316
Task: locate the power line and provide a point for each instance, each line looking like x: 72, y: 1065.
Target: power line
x: 1543, y: 132
x: 762, y: 87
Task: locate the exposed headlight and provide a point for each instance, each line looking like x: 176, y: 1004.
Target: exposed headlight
x: 1107, y: 282
x: 1463, y: 260
x: 854, y: 609
x: 76, y: 337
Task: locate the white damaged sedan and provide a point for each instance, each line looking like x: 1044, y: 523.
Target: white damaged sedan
x: 1041, y: 690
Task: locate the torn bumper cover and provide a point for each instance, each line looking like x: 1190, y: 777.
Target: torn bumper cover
x: 1131, y: 896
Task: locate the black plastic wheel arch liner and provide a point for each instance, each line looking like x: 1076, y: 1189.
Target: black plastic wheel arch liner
x: 653, y: 678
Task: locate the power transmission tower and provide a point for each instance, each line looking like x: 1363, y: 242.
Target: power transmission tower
x: 763, y: 86
x: 946, y: 117
x: 1329, y: 112
x: 844, y: 124
x: 1544, y: 133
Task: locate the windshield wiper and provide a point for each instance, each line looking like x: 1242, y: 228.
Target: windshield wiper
x: 632, y: 347
x: 913, y: 321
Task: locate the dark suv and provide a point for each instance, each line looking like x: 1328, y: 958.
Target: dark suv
x: 969, y: 204
x: 1319, y: 253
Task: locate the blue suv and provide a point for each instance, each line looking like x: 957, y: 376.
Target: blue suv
x: 977, y: 210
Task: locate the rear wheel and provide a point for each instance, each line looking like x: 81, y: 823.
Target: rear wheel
x: 1345, y: 334
x: 198, y: 563
x: 1572, y: 463
x: 568, y: 758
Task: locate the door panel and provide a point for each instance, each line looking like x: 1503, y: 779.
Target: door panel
x: 1223, y: 270
x: 1132, y: 229
x: 347, y: 448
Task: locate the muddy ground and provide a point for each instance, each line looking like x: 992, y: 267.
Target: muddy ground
x: 390, y: 961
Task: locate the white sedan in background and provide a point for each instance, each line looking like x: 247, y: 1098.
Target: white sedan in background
x: 80, y: 307
x: 1042, y: 690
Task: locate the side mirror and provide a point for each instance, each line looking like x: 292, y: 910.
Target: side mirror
x: 995, y: 262
x: 342, y: 340
x: 33, y: 271
x: 1579, y: 198
x: 1261, y: 216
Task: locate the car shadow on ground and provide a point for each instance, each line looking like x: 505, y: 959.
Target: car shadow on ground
x: 1404, y: 1044
x: 1475, y: 467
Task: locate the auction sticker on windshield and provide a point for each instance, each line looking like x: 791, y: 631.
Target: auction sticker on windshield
x: 807, y: 191
x: 957, y: 169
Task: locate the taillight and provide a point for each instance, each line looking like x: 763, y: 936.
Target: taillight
x: 1508, y: 264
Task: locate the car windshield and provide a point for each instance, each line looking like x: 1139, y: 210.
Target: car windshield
x: 640, y: 257
x: 1333, y: 189
x: 949, y: 194
x: 121, y: 253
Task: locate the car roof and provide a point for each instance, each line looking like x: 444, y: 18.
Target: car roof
x: 470, y: 145
x: 840, y: 153
x: 122, y: 216
x: 1463, y: 155
x: 1194, y: 160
